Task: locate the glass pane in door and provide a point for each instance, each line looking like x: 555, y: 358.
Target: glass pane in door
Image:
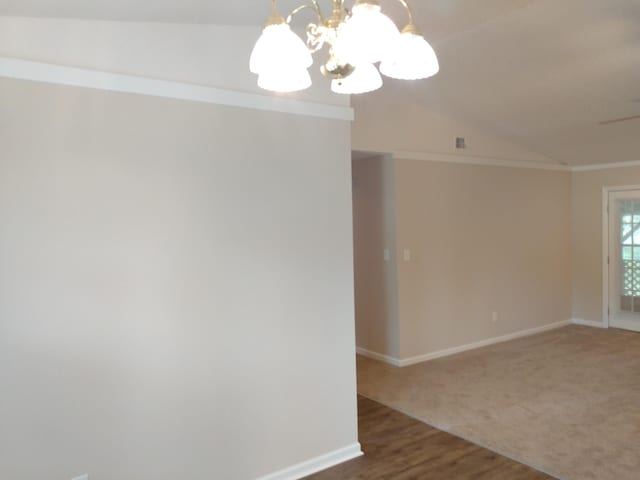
x: 630, y: 255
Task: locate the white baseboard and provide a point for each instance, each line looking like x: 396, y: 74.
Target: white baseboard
x: 317, y: 464
x: 379, y: 356
x: 483, y: 343
x: 588, y: 323
x: 396, y: 362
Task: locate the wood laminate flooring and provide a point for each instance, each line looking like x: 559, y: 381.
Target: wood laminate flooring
x: 398, y: 447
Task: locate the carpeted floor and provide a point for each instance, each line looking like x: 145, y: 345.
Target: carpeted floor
x: 566, y: 402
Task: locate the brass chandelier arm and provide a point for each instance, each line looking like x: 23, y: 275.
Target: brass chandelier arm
x: 317, y: 8
x: 411, y: 27
x: 409, y: 11
x: 338, y: 12
x: 313, y: 6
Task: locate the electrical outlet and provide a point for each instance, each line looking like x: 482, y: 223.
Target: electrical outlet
x: 494, y: 317
x: 82, y: 477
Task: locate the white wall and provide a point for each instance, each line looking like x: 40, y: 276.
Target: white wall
x: 176, y: 287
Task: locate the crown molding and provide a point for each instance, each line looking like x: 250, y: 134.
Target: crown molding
x: 113, y: 82
x: 477, y: 160
x: 501, y: 162
x: 605, y: 166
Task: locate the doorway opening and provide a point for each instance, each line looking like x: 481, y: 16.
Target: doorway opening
x: 621, y: 258
x: 375, y: 256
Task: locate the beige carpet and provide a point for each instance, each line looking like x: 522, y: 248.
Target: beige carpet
x: 566, y: 402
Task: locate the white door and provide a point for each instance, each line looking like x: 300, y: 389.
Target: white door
x: 624, y: 260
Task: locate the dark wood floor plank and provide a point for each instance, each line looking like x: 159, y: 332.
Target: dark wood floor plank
x: 397, y: 447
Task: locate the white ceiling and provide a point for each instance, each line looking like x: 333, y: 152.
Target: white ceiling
x: 546, y: 75
x: 443, y: 16
x: 542, y: 73
x: 232, y: 12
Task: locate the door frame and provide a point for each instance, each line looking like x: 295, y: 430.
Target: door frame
x: 605, y: 247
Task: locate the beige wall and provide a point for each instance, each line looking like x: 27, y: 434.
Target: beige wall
x: 537, y: 256
x: 586, y: 207
x: 176, y: 290
x: 482, y: 240
x: 376, y: 282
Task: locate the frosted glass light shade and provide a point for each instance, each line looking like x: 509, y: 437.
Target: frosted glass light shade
x: 364, y: 79
x: 285, y: 80
x: 412, y: 58
x: 367, y: 35
x: 279, y: 48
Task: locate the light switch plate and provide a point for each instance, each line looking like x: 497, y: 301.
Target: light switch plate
x: 407, y: 255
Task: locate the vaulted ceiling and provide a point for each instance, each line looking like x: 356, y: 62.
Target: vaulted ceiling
x: 546, y: 76
x: 543, y: 73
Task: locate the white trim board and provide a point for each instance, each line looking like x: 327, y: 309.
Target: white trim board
x: 317, y: 464
x: 379, y: 356
x: 605, y: 256
x: 605, y: 166
x: 462, y: 348
x: 113, y: 82
x: 476, y: 160
x: 588, y: 323
x: 504, y: 162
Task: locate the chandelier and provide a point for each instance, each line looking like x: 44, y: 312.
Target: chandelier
x: 357, y: 41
